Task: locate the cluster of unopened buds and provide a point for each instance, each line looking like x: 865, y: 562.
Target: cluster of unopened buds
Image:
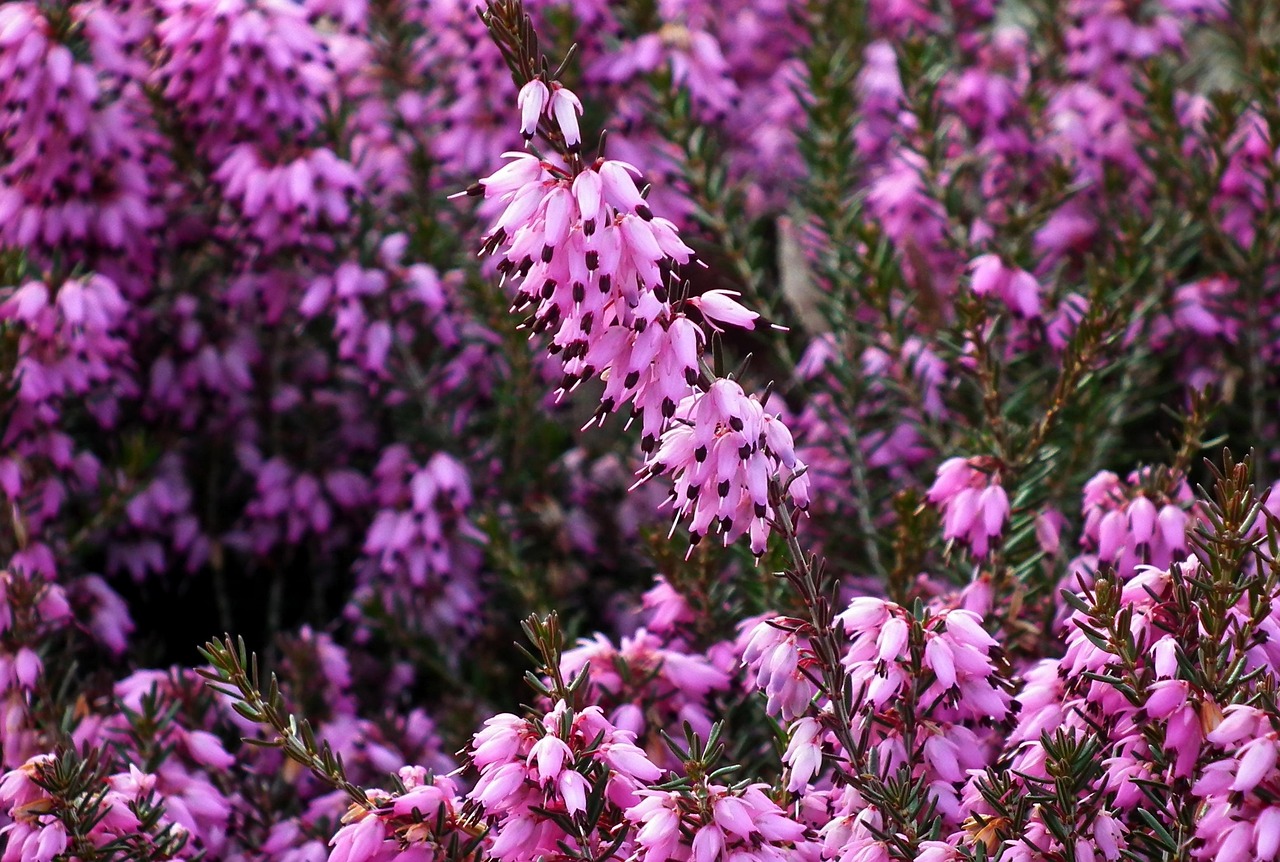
x: 595, y: 273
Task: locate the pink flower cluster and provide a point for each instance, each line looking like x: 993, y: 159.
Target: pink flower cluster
x: 83, y: 163
x: 743, y: 824
x: 649, y: 680
x: 1138, y: 522
x: 250, y: 378
x: 974, y: 506
x: 530, y: 768
x: 777, y: 654
x: 37, y: 833
x: 1151, y: 723
x: 416, y: 825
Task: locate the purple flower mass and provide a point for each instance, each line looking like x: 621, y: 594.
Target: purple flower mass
x: 751, y: 431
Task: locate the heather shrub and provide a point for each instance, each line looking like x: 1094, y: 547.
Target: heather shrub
x: 639, y: 432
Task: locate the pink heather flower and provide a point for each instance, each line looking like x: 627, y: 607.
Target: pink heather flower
x: 238, y: 71
x: 694, y: 57
x: 1203, y: 308
x: 1129, y: 525
x: 803, y: 756
x: 667, y: 609
x: 108, y: 614
x: 529, y: 763
x: 718, y: 306
x: 533, y: 101
x: 1017, y: 288
x: 84, y: 162
x: 958, y: 652
x: 668, y: 683
x: 291, y: 203
x: 566, y: 108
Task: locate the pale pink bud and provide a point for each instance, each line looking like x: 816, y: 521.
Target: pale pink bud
x: 965, y: 627
x: 52, y: 842
x: 1164, y: 657
x: 940, y: 659
x: 1107, y: 832
x: 708, y: 844
x: 1235, y: 845
x: 619, y: 188
x: 988, y: 275
x: 1111, y: 536
x: 944, y: 757
x: 550, y: 753
x: 961, y: 514
x: 1049, y: 526
x: 1266, y: 833
x: 804, y: 753
x: 27, y: 302
x: 573, y: 790
x: 733, y: 815
x: 893, y: 638
x: 1173, y: 526
x: 1238, y: 722
x: 864, y: 613
x: 995, y: 509
x: 1166, y: 696
x: 27, y: 668
x: 1023, y: 293
x: 206, y: 749
x: 630, y: 760
x: 588, y: 189
x: 953, y: 476
x: 936, y: 851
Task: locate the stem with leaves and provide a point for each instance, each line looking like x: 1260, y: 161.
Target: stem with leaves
x: 235, y: 675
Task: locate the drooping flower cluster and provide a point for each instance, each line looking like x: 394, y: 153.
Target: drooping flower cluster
x: 82, y: 162
x: 777, y: 653
x: 594, y: 268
